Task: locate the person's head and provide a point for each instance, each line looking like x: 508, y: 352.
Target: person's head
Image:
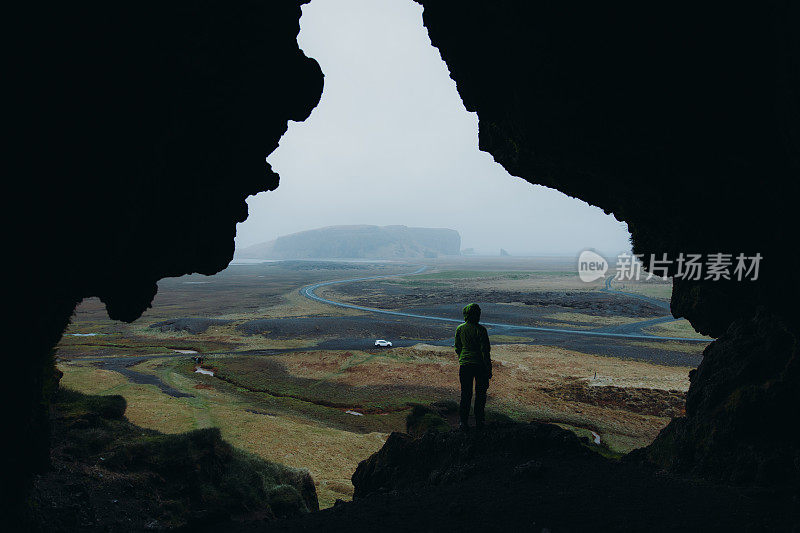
x: 472, y: 313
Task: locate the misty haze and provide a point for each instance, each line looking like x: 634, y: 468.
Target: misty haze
x: 390, y: 143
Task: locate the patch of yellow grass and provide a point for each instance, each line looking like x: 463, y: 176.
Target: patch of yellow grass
x: 675, y: 346
x: 331, y: 455
x: 553, y: 362
x: 88, y: 379
x: 677, y: 328
x: 525, y: 377
x: 592, y: 320
x: 507, y: 339
x: 147, y: 405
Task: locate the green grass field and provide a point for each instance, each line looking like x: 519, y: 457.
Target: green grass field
x: 286, y: 401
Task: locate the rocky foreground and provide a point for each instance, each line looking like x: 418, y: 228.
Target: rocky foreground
x: 533, y: 477
x: 109, y: 475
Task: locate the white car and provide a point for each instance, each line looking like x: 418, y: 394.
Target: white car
x: 383, y: 344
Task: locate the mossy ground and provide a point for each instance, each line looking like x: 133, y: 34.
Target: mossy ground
x: 286, y: 401
x: 110, y: 473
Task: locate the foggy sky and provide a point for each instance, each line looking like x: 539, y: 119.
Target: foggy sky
x: 391, y: 143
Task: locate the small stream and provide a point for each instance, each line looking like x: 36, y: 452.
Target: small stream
x: 200, y: 370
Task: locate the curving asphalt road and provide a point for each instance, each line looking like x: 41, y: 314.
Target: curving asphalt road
x: 124, y: 365
x: 626, y: 331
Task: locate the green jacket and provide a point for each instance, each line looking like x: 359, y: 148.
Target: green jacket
x: 472, y: 339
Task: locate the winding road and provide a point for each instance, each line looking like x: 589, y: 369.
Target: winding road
x: 579, y: 339
x: 625, y: 331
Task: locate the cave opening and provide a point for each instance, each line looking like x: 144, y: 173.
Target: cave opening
x: 228, y: 381
x: 390, y: 149
x: 390, y: 143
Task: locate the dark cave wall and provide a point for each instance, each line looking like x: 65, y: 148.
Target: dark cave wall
x: 138, y: 131
x: 159, y: 118
x: 740, y: 408
x: 682, y: 120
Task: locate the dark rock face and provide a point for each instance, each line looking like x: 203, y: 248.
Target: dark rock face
x: 405, y: 463
x: 741, y: 408
x: 685, y: 123
x: 110, y: 475
x: 532, y: 477
x: 666, y: 118
x: 157, y: 126
x: 138, y: 131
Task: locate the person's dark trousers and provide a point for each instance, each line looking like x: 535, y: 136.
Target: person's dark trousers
x: 468, y: 374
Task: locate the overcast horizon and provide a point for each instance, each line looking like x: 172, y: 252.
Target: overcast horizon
x: 390, y: 143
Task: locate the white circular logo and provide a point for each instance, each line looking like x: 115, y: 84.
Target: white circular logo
x: 591, y: 266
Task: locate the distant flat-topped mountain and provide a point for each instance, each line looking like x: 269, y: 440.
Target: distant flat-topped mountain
x: 353, y: 242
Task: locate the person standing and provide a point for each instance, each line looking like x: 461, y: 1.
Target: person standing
x: 475, y: 365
